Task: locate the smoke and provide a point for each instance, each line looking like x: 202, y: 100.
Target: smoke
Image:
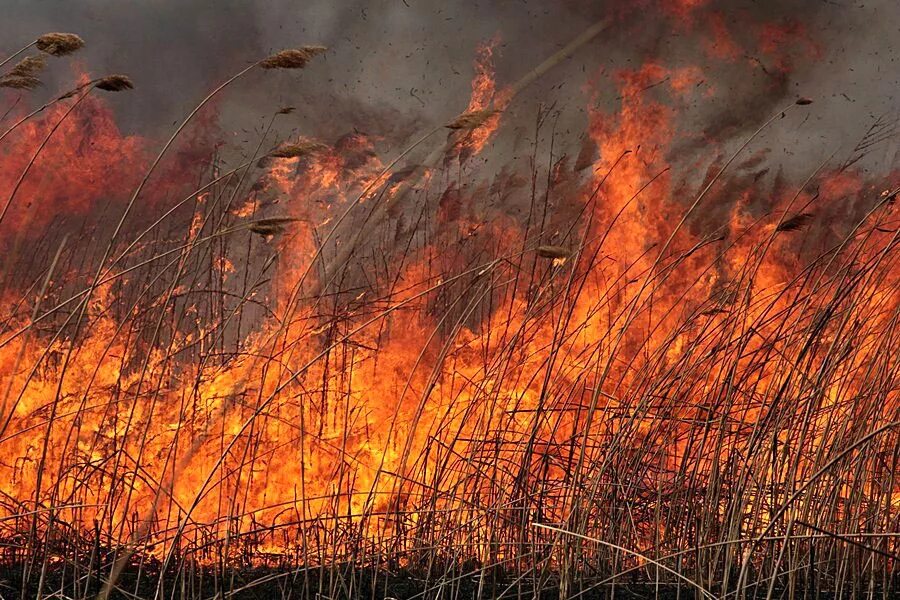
x: 398, y: 65
x: 395, y: 68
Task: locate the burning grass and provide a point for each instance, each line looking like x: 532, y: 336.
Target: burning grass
x: 605, y: 396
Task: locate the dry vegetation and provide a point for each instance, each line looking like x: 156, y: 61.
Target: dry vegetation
x: 600, y: 401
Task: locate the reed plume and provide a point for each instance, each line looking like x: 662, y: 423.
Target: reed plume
x: 59, y: 44
x: 294, y: 58
x: 29, y: 66
x: 553, y: 252
x: 20, y: 83
x: 271, y: 226
x: 472, y: 120
x: 298, y: 149
x: 798, y: 221
x: 114, y: 83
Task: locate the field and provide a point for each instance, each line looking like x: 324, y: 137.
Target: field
x: 350, y: 369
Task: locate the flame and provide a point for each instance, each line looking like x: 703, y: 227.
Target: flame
x: 484, y: 96
x: 721, y: 44
x: 470, y: 380
x: 85, y: 158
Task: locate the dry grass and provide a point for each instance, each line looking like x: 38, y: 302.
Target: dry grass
x: 486, y: 424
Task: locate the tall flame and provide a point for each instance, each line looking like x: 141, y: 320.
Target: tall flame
x: 489, y: 375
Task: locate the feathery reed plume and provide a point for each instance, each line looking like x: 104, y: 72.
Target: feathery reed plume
x: 265, y: 230
x: 299, y: 149
x: 271, y: 226
x: 114, y: 83
x: 553, y: 252
x: 404, y: 173
x: 798, y: 221
x: 59, y: 44
x: 29, y: 66
x: 472, y: 120
x: 20, y: 83
x: 294, y: 58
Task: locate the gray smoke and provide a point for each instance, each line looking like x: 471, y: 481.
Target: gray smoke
x: 396, y: 67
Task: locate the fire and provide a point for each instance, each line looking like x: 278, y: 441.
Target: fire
x: 466, y: 377
x: 774, y: 37
x: 86, y: 158
x: 721, y: 44
x: 484, y: 96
